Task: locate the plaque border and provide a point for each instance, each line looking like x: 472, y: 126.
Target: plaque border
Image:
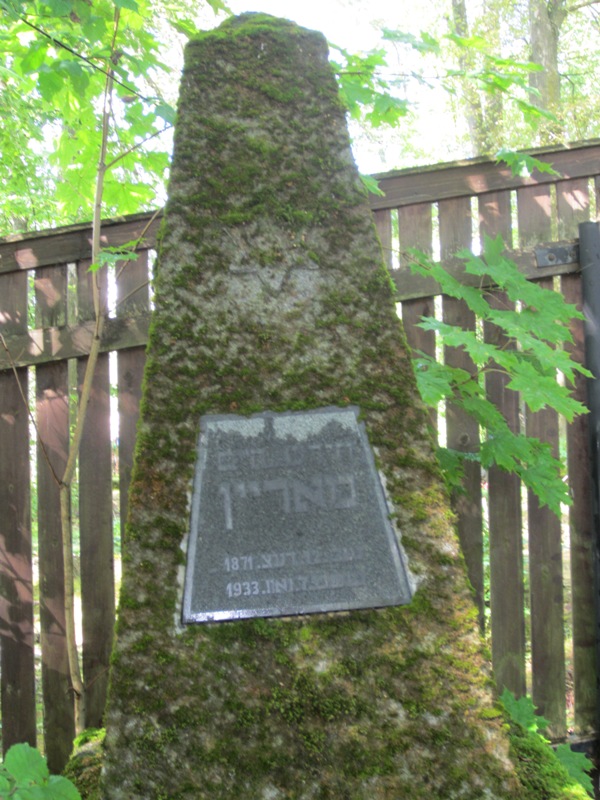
x: 189, y: 617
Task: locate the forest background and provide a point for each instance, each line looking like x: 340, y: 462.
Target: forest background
x: 453, y: 78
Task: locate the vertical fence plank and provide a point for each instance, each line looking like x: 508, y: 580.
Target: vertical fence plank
x: 547, y: 602
x: 383, y: 225
x: 53, y: 427
x: 548, y: 687
x: 504, y: 489
x: 573, y: 205
x: 95, y: 518
x: 504, y: 507
x: 573, y: 200
x: 495, y: 216
x: 581, y: 526
x: 415, y: 229
x: 534, y: 214
x: 17, y: 664
x: 132, y: 299
x: 52, y: 396
x: 462, y: 432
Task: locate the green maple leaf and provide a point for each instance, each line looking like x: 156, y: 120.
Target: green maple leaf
x: 577, y: 765
x: 523, y: 712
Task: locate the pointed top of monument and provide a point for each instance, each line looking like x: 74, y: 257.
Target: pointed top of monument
x: 257, y: 22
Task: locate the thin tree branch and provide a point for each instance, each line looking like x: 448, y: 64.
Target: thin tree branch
x: 138, y: 241
x: 577, y: 6
x: 145, y: 229
x: 80, y: 699
x: 99, y: 316
x: 87, y: 60
x: 131, y: 293
x: 135, y: 147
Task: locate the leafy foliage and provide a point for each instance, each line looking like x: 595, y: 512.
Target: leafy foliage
x: 505, y: 75
x: 535, y: 326
x: 113, y: 256
x: 54, y: 56
x: 364, y: 89
x: 373, y: 94
x: 512, y: 80
x: 24, y: 775
x: 371, y: 185
x: 522, y: 711
x: 463, y: 60
x: 522, y: 164
x: 55, y: 59
x: 577, y: 765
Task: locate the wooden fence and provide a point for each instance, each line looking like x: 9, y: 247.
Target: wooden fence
x: 543, y: 640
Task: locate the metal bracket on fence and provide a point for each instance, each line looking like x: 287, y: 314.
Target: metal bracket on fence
x: 556, y: 255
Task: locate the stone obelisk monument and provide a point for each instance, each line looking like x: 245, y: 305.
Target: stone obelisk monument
x: 295, y: 620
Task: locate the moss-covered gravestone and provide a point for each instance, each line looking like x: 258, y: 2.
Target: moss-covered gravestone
x: 272, y: 298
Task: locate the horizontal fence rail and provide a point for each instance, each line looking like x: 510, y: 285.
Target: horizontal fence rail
x: 532, y: 573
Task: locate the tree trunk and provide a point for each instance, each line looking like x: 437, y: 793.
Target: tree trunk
x: 545, y: 20
x: 471, y: 97
x: 493, y: 106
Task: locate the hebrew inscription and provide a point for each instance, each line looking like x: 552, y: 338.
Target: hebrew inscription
x: 288, y: 517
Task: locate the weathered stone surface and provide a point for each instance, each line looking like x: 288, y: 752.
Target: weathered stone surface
x: 271, y: 295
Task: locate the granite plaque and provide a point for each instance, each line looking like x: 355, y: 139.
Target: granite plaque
x: 289, y: 517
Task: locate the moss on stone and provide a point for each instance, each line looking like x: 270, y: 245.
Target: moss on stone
x: 85, y: 764
x: 540, y: 772
x: 271, y: 295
